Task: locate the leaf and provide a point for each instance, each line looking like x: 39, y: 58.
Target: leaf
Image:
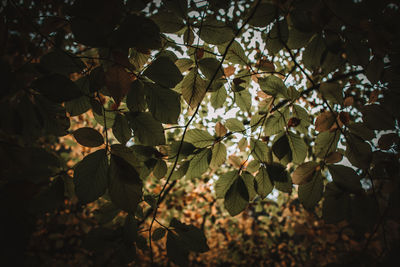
x: 118, y: 82
x: 259, y: 150
x: 176, y: 252
x: 57, y: 88
x: 242, y: 144
x: 199, y: 138
x: 209, y: 66
x: 235, y: 54
x: 386, y: 141
x: 106, y: 213
x: 311, y: 192
x: 304, y: 173
x: 298, y: 147
x: 358, y: 152
x: 218, y: 97
x: 184, y: 64
x: 334, y: 157
x: 158, y: 233
x: 121, y: 129
x: 181, y: 171
x: 277, y: 37
x: 263, y: 15
x: 135, y: 100
x: 237, y: 197
x: 376, y: 118
x: 220, y: 129
x: 160, y: 170
x: 281, y: 147
x: 218, y: 155
x: 199, y: 164
x: 193, y: 88
x: 273, y: 86
x: 89, y: 137
x: 61, y: 62
x: 361, y: 130
x: 336, y: 206
x: 375, y: 69
x: 243, y: 100
x: 249, y: 180
x: 276, y: 122
x: 332, y: 92
x: 346, y: 178
x: 263, y: 183
x: 190, y: 237
x: 324, y: 121
x: 313, y: 52
x: 104, y: 120
x: 125, y: 185
x: 253, y: 166
x: 224, y: 183
x: 325, y: 143
x: 168, y: 22
x: 277, y: 173
x: 164, y: 72
x: 215, y: 32
x: 148, y: 131
x: 130, y: 234
x: 90, y: 176
x: 234, y: 125
x: 164, y: 104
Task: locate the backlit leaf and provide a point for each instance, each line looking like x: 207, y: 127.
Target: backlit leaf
x: 148, y: 131
x: 193, y: 88
x: 224, y: 182
x: 163, y: 103
x: 199, y: 138
x: 89, y: 137
x: 311, y: 192
x: 264, y: 185
x: 164, y: 72
x: 218, y: 155
x: 199, y: 164
x: 304, y: 172
x: 237, y: 197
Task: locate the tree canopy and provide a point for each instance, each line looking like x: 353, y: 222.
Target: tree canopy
x: 159, y: 122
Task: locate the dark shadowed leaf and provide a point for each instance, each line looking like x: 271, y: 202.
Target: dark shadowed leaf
x: 89, y: 137
x: 304, y: 173
x: 121, y: 129
x: 148, y: 131
x: 158, y: 233
x: 345, y: 177
x: 237, y: 197
x: 163, y: 103
x: 311, y: 192
x: 61, y: 62
x: 164, y: 72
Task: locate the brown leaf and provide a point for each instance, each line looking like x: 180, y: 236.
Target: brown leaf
x: 344, y: 117
x: 334, y: 157
x: 238, y: 81
x: 293, y: 122
x: 235, y: 161
x: 387, y: 140
x: 304, y: 172
x: 348, y: 101
x: 199, y: 53
x: 324, y: 121
x: 118, y: 82
x: 121, y: 58
x: 230, y: 70
x: 373, y: 97
x: 265, y: 65
x: 220, y: 129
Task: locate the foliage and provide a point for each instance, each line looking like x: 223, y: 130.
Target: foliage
x: 122, y: 106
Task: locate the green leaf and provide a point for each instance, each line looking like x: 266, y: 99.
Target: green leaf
x: 359, y: 129
x: 234, y: 125
x: 106, y: 213
x: 125, y: 185
x: 281, y: 147
x: 298, y: 147
x: 164, y: 104
x: 346, y: 178
x: 332, y: 92
x: 89, y: 137
x: 325, y: 143
x: 199, y: 164
x: 276, y: 122
x: 90, y: 176
x: 148, y: 131
x: 190, y: 237
x: 178, y: 7
x: 249, y: 180
x: 313, y: 52
x: 336, y: 206
x: 259, y: 150
x: 158, y: 233
x: 181, y: 171
x: 235, y: 55
x: 263, y: 15
x: 193, y: 88
x: 243, y: 100
x: 61, y: 62
x: 135, y: 100
x: 168, y: 22
x: 218, y: 155
x: 376, y: 118
x: 121, y: 129
x: 273, y: 86
x: 77, y: 106
x: 105, y: 120
x: 224, y: 183
x: 160, y: 170
x: 164, y: 72
x: 311, y: 192
x: 304, y: 173
x: 176, y: 251
x: 277, y: 37
x: 358, y: 152
x: 298, y: 39
x: 237, y: 197
x: 209, y: 66
x: 184, y: 64
x: 199, y: 138
x: 130, y: 229
x: 263, y: 183
x: 215, y: 32
x: 57, y: 88
x: 218, y: 97
x: 253, y: 166
x: 277, y: 172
